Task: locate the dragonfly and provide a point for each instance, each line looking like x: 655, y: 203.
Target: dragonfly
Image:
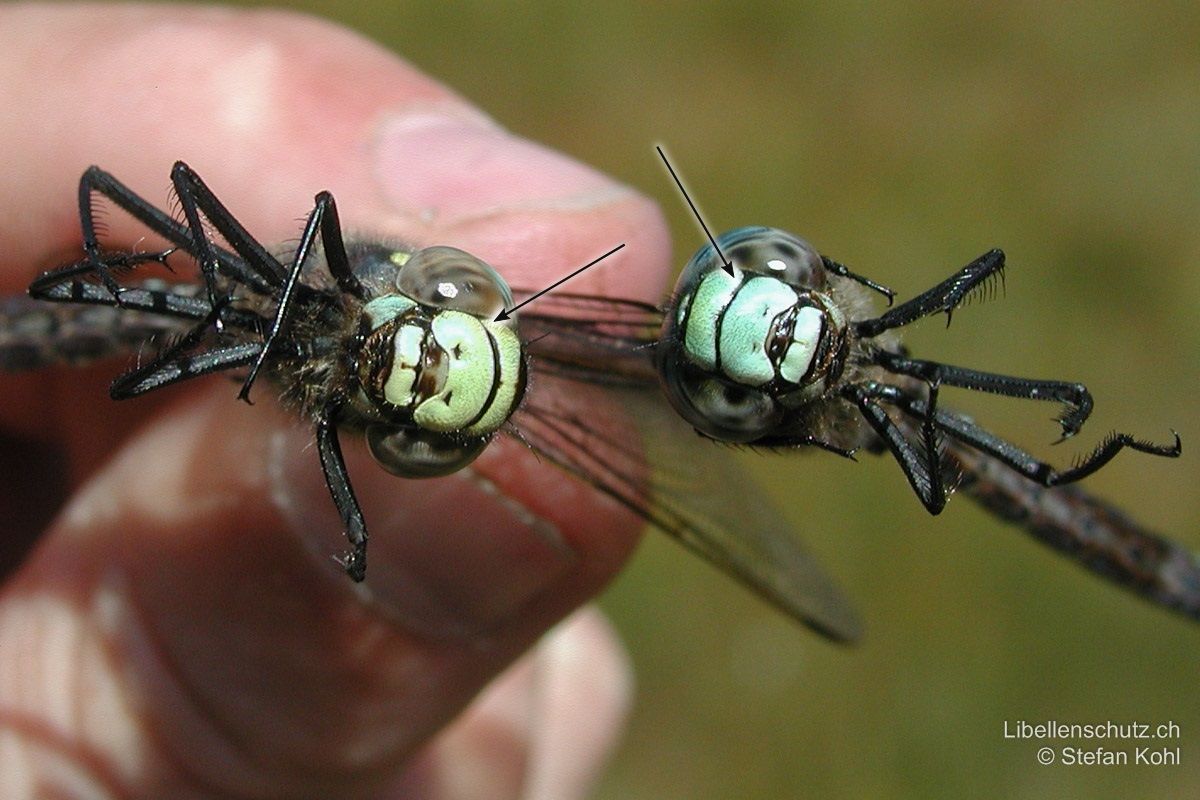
x: 352, y: 333
x: 768, y: 343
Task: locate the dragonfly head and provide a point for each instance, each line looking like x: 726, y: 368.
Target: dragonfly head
x: 438, y: 375
x: 739, y: 353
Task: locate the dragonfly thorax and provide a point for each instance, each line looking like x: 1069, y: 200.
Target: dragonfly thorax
x: 437, y: 375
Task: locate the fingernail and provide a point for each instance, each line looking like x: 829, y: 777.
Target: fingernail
x: 448, y: 165
x: 448, y: 557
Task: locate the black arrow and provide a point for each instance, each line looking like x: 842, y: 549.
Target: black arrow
x: 728, y: 267
x: 503, y: 315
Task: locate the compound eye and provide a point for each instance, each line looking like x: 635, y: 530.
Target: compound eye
x: 765, y: 251
x: 449, y: 278
x: 412, y: 452
x: 728, y: 411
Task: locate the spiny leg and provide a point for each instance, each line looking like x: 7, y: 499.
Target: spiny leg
x: 96, y: 180
x: 793, y: 441
x: 1017, y: 459
x: 336, y: 258
x: 338, y: 481
x: 323, y: 219
x: 50, y: 284
x: 933, y: 445
x: 923, y: 471
x: 320, y: 213
x: 1075, y: 396
x: 166, y: 370
x: 843, y: 271
x: 176, y: 364
x: 1114, y: 443
x: 195, y: 197
x: 170, y: 302
x: 946, y: 296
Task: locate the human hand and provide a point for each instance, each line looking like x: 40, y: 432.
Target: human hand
x: 180, y: 630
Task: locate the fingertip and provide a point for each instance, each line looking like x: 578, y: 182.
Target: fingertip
x: 584, y: 697
x: 542, y: 730
x: 535, y: 214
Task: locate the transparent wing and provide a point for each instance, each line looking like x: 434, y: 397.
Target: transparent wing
x: 594, y: 408
x: 593, y: 339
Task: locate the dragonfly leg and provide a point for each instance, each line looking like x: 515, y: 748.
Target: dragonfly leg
x: 1106, y: 450
x: 1075, y: 396
x: 261, y: 270
x: 96, y: 181
x: 946, y: 296
x: 322, y: 219
x: 169, y: 369
x: 922, y: 469
x: 336, y: 258
x: 804, y: 440
x: 176, y: 364
x: 1020, y: 461
x: 843, y: 271
x: 43, y: 286
x: 933, y: 444
x: 66, y: 285
x: 338, y: 481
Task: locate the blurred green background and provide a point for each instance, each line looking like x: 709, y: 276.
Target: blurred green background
x: 902, y: 139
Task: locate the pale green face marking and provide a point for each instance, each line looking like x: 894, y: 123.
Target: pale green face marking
x: 803, y: 346
x: 684, y: 305
x: 466, y: 402
x: 746, y: 329
x: 508, y: 346
x: 383, y: 310
x: 714, y: 292
x: 406, y: 358
x: 470, y: 372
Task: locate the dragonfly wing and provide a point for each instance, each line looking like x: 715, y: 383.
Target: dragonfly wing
x: 627, y: 442
x: 592, y: 339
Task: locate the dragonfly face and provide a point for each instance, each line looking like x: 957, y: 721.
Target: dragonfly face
x: 437, y: 374
x: 780, y: 348
x: 741, y: 352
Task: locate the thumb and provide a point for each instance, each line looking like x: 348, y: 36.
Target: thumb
x: 180, y: 630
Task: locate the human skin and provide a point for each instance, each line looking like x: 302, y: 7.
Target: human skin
x: 180, y: 630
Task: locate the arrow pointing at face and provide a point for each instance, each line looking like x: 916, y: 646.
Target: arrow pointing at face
x: 503, y: 315
x: 727, y: 266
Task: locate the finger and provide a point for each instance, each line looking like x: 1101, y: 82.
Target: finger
x: 262, y: 119
x: 185, y: 556
x: 585, y: 689
x: 270, y: 122
x: 541, y: 730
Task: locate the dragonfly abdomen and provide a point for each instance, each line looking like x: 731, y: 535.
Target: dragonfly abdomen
x: 1101, y: 537
x: 35, y: 334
